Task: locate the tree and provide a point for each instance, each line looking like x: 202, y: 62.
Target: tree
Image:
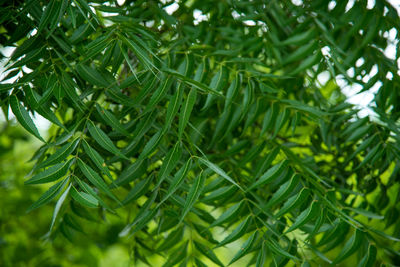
x: 213, y: 117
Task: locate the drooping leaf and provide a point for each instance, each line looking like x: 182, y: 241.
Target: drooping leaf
x: 310, y: 213
x: 229, y: 215
x: 61, y: 154
x: 23, y: 117
x: 208, y: 253
x: 193, y: 194
x: 239, y: 231
x: 103, y: 140
x: 95, y: 179
x: 219, y: 171
x: 51, y: 174
x: 84, y: 198
x: 186, y: 110
x: 48, y: 195
x: 245, y: 248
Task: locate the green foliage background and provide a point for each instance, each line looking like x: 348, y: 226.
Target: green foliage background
x: 184, y: 141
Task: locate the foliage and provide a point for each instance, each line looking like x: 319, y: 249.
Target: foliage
x: 180, y: 128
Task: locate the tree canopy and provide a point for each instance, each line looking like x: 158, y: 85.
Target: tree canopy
x: 209, y: 128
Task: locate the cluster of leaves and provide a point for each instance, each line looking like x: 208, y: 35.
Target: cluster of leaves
x: 193, y: 125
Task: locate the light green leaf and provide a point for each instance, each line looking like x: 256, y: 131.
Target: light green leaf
x: 84, y: 198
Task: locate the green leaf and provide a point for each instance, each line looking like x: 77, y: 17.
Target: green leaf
x: 293, y: 202
x: 51, y: 174
x: 193, y: 194
x: 261, y: 256
x: 310, y: 213
x: 48, y: 195
x: 229, y: 215
x: 219, y: 171
x: 248, y: 98
x: 366, y: 213
x: 111, y: 120
x: 58, y: 206
x: 138, y: 190
x: 177, y: 180
x: 358, y: 133
x: 91, y: 75
x: 186, y: 110
x: 217, y: 83
x: 245, y: 248
x: 300, y: 38
x: 276, y: 248
x: 191, y: 82
x: 61, y: 154
x: 284, y: 190
x: 84, y: 198
x: 134, y: 171
x: 159, y: 93
x: 95, y: 179
x: 96, y: 158
x: 220, y: 193
x: 103, y: 140
x: 232, y: 91
x: 208, y: 253
x: 176, y: 256
x: 139, y: 52
x: 23, y: 117
x: 269, y: 118
x: 69, y: 87
x: 89, y: 190
x: 369, y: 259
x: 171, y: 240
x: 169, y: 162
x: 151, y: 145
x: 350, y: 247
x: 239, y: 231
x: 270, y: 175
x: 173, y: 107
